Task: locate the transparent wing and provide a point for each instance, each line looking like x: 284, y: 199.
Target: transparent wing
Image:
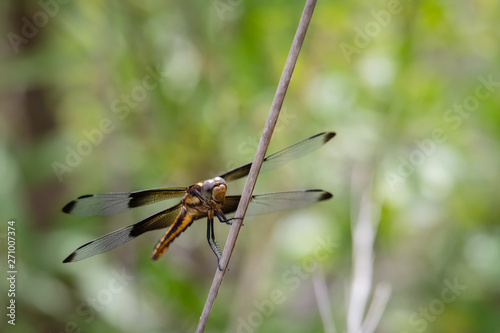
x: 278, y: 201
x: 283, y: 156
x: 107, y: 242
x: 114, y: 203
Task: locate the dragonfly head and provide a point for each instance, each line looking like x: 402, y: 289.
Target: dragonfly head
x: 215, y: 189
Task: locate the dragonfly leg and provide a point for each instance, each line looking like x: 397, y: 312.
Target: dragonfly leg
x: 223, y: 219
x: 200, y: 196
x: 211, y: 240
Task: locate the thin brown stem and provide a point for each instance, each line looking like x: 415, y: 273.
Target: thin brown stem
x: 286, y: 76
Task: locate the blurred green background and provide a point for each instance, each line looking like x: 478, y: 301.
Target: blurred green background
x: 172, y: 93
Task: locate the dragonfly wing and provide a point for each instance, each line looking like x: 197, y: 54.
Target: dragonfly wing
x: 109, y: 241
x: 278, y: 201
x: 114, y: 203
x: 283, y: 156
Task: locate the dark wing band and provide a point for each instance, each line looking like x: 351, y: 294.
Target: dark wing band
x: 283, y: 156
x: 277, y: 201
x: 114, y: 203
x: 107, y: 242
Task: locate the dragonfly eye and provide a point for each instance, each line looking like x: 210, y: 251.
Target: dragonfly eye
x: 206, y: 189
x: 219, y: 181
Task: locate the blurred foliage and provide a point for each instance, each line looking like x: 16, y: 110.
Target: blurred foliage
x: 174, y: 92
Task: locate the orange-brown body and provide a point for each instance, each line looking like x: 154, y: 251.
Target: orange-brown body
x: 193, y: 208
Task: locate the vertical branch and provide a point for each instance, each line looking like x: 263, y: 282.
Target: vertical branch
x: 324, y: 306
x: 363, y: 236
x: 258, y: 159
x: 380, y: 298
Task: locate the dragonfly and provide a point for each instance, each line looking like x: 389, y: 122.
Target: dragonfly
x: 205, y: 199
